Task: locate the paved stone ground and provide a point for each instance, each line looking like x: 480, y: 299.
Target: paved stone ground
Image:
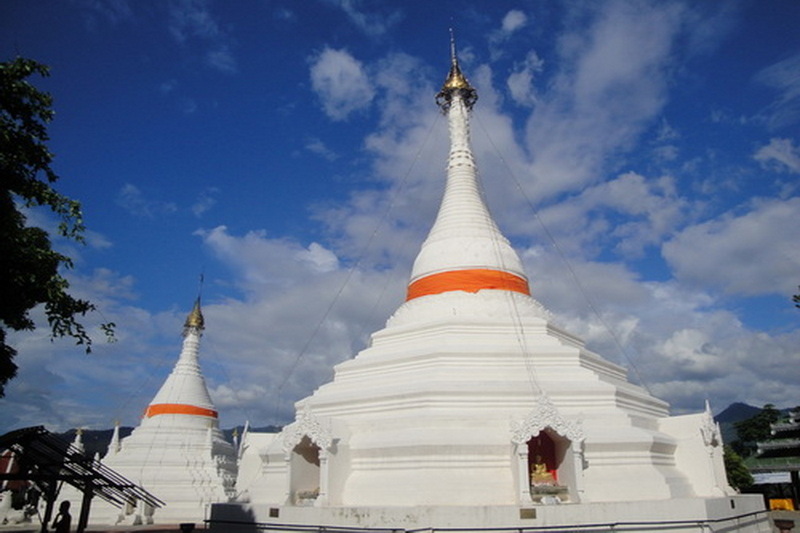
x: 34, y: 528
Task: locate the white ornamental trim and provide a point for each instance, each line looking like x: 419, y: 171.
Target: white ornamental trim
x: 709, y: 429
x: 306, y: 425
x: 544, y: 416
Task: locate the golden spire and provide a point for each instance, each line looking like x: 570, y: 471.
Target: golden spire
x: 455, y: 83
x: 195, y: 318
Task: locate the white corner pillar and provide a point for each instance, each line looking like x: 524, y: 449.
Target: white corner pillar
x: 523, y: 481
x: 576, y: 493
x: 322, y: 498
x: 287, y: 462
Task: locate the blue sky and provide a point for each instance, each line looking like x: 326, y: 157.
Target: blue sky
x: 642, y: 156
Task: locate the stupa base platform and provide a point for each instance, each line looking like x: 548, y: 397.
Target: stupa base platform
x: 740, y: 513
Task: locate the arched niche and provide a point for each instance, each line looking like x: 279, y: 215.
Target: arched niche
x: 546, y: 452
x: 549, y: 455
x: 306, y: 446
x: 304, y: 472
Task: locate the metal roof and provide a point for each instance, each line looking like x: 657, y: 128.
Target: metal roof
x: 43, y: 456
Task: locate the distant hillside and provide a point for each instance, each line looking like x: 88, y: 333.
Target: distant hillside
x: 736, y: 412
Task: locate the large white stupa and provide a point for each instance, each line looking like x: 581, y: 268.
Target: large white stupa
x: 471, y: 409
x: 178, y: 452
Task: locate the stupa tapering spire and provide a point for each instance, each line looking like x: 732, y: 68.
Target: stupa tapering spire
x: 184, y: 392
x: 465, y: 250
x: 455, y: 83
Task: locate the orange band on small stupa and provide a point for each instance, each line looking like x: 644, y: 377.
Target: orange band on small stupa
x: 472, y: 280
x: 178, y: 409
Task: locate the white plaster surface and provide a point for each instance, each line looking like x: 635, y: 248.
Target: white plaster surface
x: 429, y: 424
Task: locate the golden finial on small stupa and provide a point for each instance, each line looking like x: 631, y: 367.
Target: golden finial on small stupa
x: 195, y: 318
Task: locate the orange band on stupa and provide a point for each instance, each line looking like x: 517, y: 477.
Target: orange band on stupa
x: 178, y: 409
x: 472, y: 280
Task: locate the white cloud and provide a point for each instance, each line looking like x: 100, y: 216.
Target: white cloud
x: 221, y: 58
x: 168, y: 86
x: 115, y: 11
x: 373, y: 24
x: 783, y: 77
x: 514, y: 20
x: 42, y: 217
x: 666, y: 132
x: 693, y: 351
x: 285, y: 14
x: 321, y: 259
x: 674, y: 339
x: 749, y: 254
x: 301, y: 313
x: 103, y: 287
x: 263, y: 263
x: 781, y: 154
x: 341, y: 83
x: 136, y: 203
x: 629, y: 215
x: 520, y: 81
x: 224, y: 395
x: 97, y: 240
x: 318, y: 147
x: 189, y: 106
x: 58, y: 382
x: 205, y: 201
x: 193, y: 20
x: 612, y: 83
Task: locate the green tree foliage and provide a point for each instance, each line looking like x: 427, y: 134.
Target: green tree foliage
x: 796, y: 299
x: 29, y: 267
x: 754, y: 429
x: 739, y: 476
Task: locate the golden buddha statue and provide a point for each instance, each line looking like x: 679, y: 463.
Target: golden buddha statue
x: 540, y: 475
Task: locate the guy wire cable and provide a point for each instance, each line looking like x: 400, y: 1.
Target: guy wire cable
x: 351, y: 271
x: 567, y: 263
x: 519, y: 327
x: 218, y: 363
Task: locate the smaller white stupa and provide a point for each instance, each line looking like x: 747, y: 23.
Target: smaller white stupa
x: 178, y: 452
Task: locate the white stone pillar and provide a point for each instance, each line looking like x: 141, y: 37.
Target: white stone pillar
x: 287, y: 458
x: 577, y: 467
x: 523, y: 482
x: 322, y: 498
